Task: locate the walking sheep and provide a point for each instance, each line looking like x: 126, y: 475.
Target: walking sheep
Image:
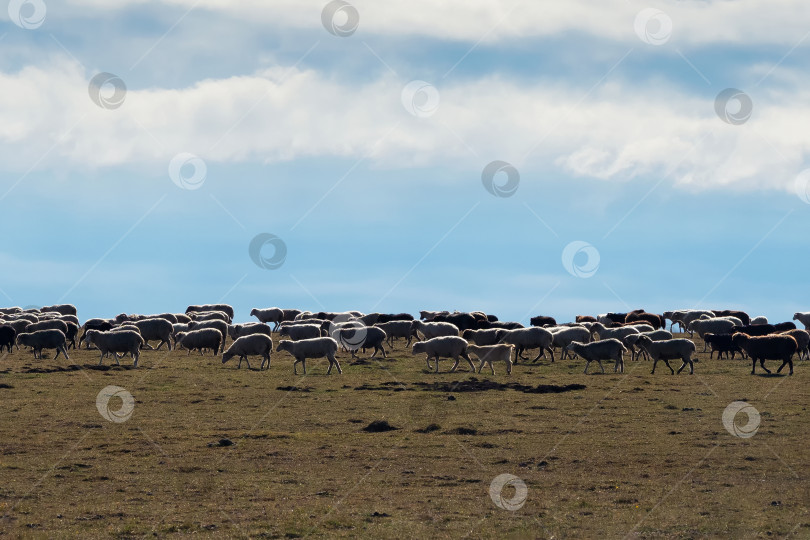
x: 669, y: 349
x: 159, y: 329
x: 269, y: 315
x: 250, y: 345
x: 432, y: 330
x: 529, y: 338
x: 443, y: 347
x: 44, y: 339
x: 772, y: 347
x: 488, y: 354
x: 125, y: 341
x: 804, y: 318
x: 222, y: 326
x: 604, y: 349
x: 319, y: 347
x: 203, y: 338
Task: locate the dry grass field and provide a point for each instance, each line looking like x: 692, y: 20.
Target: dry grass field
x: 627, y: 455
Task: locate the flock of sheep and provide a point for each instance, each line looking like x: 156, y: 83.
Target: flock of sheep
x: 438, y: 334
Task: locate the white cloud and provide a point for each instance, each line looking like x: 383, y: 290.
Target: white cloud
x: 622, y: 130
x: 693, y: 22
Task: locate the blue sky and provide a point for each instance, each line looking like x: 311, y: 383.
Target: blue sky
x: 607, y: 113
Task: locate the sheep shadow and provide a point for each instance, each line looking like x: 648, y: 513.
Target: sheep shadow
x: 51, y: 369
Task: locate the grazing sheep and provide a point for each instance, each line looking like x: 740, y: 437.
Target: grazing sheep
x: 715, y: 326
x: 565, y: 336
x: 222, y: 326
x: 301, y: 331
x: 238, y: 330
x: 64, y: 309
x: 482, y: 338
x: 529, y: 338
x: 443, y: 347
x: 667, y: 350
x: 204, y: 338
x: 44, y: 339
x: 250, y: 345
x: 432, y: 330
x: 721, y: 343
x: 771, y: 347
x: 396, y: 329
x: 631, y: 340
x: 802, y: 338
x: 125, y: 341
x: 159, y: 329
x: 762, y: 319
x: 542, y: 320
x: 604, y: 349
x: 311, y: 348
x: 211, y: 307
x: 488, y: 354
x: 7, y: 337
x: 274, y: 315
x: 804, y: 318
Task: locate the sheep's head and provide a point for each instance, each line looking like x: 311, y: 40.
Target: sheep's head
x: 284, y: 346
x: 227, y: 355
x: 418, y: 347
x: 643, y: 341
x: 253, y: 312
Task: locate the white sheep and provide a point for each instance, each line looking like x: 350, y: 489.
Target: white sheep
x: 126, y: 341
x: 567, y: 335
x: 668, y: 350
x: 222, y: 326
x: 604, y: 349
x: 253, y: 344
x: 319, y: 347
x: 619, y: 333
x: 203, y: 338
x: 804, y: 318
x: 482, y: 338
x: 761, y: 319
x: 211, y: 307
x: 235, y: 331
x: 717, y: 325
x: 366, y: 337
x: 443, y: 347
x: 524, y: 339
x: 274, y: 315
x: 432, y: 330
x: 301, y: 331
x: 631, y: 339
x: 159, y: 329
x: 488, y: 354
x: 44, y: 339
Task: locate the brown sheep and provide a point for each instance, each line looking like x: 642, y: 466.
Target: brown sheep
x: 772, y: 347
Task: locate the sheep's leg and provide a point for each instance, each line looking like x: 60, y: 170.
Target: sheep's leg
x: 550, y: 353
x: 600, y: 365
x: 540, y: 353
x: 491, y: 367
x: 246, y: 361
x: 666, y: 361
x: 480, y: 366
x: 427, y: 360
x: 136, y: 356
x: 655, y: 362
x: 762, y: 364
x: 472, y: 367
x: 383, y: 351
x: 337, y: 364
x: 455, y: 365
x: 587, y: 363
x: 437, y: 363
x: 101, y: 359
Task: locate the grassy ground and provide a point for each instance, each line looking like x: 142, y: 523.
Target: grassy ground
x: 636, y: 455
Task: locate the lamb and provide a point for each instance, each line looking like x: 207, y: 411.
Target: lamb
x: 211, y: 307
x: 776, y: 347
x: 238, y: 330
x: 125, y: 341
x: 311, y: 348
x: 667, y: 350
x: 488, y: 354
x: 7, y: 337
x: 64, y: 309
x: 44, y: 339
x: 564, y: 337
x: 804, y: 318
x: 529, y: 338
x: 762, y: 319
x: 203, y: 338
x: 715, y: 326
x: 274, y: 315
x: 604, y: 349
x: 159, y: 329
x: 631, y: 340
x: 222, y: 326
x: 802, y: 338
x: 721, y: 344
x: 396, y: 329
x: 483, y: 338
x: 443, y: 347
x: 253, y: 344
x: 542, y: 320
x: 432, y: 330
x: 301, y: 331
